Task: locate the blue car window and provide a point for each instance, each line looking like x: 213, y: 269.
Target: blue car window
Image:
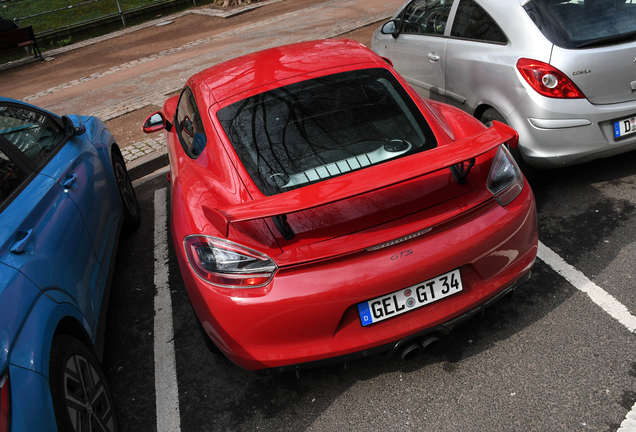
x: 11, y: 177
x: 189, y: 125
x: 36, y: 135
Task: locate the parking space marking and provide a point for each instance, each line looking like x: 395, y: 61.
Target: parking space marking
x: 599, y: 296
x: 153, y: 175
x: 166, y: 389
x: 629, y: 424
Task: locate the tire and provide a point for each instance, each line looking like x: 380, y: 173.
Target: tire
x: 487, y: 118
x: 132, y: 218
x: 209, y: 344
x: 81, y: 398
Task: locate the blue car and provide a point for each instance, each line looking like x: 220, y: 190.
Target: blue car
x: 65, y: 197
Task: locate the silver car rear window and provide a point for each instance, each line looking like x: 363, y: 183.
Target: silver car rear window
x: 317, y: 129
x: 584, y: 23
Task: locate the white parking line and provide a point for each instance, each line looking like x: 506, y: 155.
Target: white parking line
x: 166, y: 390
x: 629, y: 424
x: 599, y: 296
x: 151, y: 176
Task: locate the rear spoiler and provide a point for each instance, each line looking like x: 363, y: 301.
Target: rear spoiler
x: 362, y: 181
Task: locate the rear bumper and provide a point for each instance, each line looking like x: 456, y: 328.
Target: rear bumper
x: 308, y: 313
x: 555, y: 133
x: 393, y: 347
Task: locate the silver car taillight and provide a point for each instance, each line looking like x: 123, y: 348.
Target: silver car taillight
x: 505, y: 180
x: 226, y: 264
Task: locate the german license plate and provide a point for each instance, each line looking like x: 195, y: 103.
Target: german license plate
x: 625, y: 127
x: 408, y: 299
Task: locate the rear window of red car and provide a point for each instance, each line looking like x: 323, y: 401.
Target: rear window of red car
x: 317, y: 129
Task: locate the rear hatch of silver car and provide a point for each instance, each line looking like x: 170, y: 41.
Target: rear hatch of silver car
x: 595, y: 44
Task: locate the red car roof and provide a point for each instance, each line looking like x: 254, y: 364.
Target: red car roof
x: 275, y: 64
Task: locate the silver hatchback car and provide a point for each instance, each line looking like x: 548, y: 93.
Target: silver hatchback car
x: 562, y: 73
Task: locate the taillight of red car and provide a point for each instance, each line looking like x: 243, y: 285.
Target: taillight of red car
x: 5, y: 405
x: 548, y: 80
x: 226, y: 264
x: 505, y: 180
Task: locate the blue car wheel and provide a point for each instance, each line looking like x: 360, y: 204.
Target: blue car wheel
x: 81, y: 397
x: 132, y: 217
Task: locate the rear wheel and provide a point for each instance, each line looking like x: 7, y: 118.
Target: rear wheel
x: 209, y: 344
x: 132, y: 217
x: 491, y: 115
x: 81, y: 398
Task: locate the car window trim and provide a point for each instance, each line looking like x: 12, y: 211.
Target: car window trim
x: 19, y: 155
x: 10, y: 150
x: 449, y: 24
x: 19, y: 158
x: 451, y: 20
x: 178, y: 128
x: 481, y: 40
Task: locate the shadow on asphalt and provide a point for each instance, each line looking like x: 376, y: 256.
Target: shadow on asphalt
x: 217, y: 395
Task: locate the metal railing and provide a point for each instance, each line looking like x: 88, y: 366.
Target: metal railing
x: 74, y: 15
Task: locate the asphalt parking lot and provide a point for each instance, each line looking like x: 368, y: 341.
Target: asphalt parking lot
x: 552, y: 357
x: 559, y: 355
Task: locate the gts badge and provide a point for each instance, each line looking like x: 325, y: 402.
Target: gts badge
x: 582, y: 72
x: 402, y: 254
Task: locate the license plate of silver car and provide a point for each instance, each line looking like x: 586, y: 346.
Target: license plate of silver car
x: 411, y: 298
x: 625, y: 127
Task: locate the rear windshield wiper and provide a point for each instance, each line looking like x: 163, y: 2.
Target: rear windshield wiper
x: 608, y: 40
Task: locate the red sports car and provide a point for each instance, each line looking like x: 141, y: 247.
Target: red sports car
x: 323, y: 212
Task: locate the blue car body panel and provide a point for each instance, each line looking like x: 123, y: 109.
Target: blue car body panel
x: 66, y: 222
x: 60, y: 253
x: 91, y: 190
x: 20, y: 293
x: 32, y: 347
x: 32, y: 406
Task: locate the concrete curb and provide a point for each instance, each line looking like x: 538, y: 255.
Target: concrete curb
x: 147, y: 164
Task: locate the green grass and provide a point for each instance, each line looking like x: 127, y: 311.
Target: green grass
x: 69, y: 16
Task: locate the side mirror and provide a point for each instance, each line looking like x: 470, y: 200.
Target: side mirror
x: 73, y: 125
x: 155, y: 122
x: 390, y: 27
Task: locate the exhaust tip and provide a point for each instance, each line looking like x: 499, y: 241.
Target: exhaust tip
x: 430, y: 343
x: 411, y: 352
